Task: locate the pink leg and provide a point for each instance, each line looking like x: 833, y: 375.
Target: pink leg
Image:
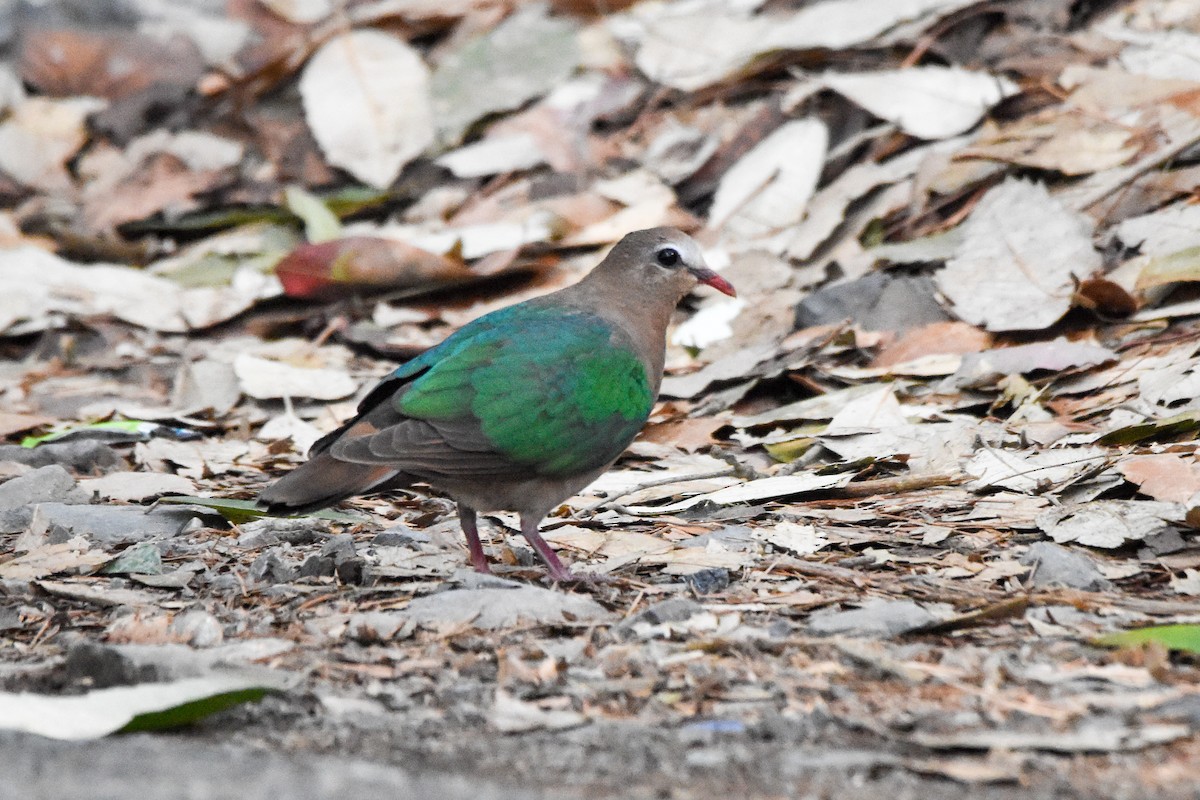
x: 466, y: 518
x: 558, y: 571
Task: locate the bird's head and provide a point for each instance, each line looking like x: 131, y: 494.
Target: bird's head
x: 664, y: 259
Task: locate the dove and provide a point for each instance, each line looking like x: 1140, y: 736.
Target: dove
x: 521, y: 408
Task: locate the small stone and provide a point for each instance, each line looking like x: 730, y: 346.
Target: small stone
x: 81, y: 455
x: 143, y: 558
x: 1054, y: 565
x: 270, y: 531
x: 98, y: 667
x: 400, y: 536
x: 46, y: 484
x: 340, y: 548
x: 676, y: 609
x: 271, y: 567
x: 352, y: 571
x: 103, y: 525
x: 1165, y: 543
x: 197, y: 628
x: 317, y: 567
x: 708, y: 581
x: 875, y: 617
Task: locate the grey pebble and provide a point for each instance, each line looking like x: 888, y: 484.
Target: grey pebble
x: 1055, y: 565
x: 43, y: 485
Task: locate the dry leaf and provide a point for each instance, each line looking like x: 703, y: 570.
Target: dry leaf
x: 360, y: 262
x: 768, y: 189
x: 927, y: 102
x: 1021, y: 255
x: 1167, y: 477
x: 366, y: 99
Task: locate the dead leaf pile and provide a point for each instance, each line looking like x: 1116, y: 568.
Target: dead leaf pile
x: 926, y: 494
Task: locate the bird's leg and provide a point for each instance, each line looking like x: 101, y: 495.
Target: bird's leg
x: 558, y: 571
x: 466, y: 518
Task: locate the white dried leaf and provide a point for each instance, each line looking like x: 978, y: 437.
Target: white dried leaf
x: 1189, y: 584
x: 752, y: 491
x: 1092, y: 736
x: 931, y: 447
x: 289, y: 426
x: 40, y: 136
x: 40, y: 285
x: 709, y: 325
x: 197, y: 460
x: 265, y: 379
x: 768, y: 189
x: 301, y: 12
x: 473, y: 241
x: 496, y: 608
x: 494, y: 155
x: 827, y: 208
x: 1109, y: 523
x: 689, y: 47
x: 1021, y: 255
x: 1030, y: 472
x: 799, y: 539
x: 1160, y: 54
x: 1162, y: 232
x: 366, y: 99
x: 873, y: 411
x: 927, y: 102
x: 512, y: 715
x: 199, y: 150
x: 12, y: 90
x: 1173, y: 387
x: 133, y: 487
x: 72, y: 556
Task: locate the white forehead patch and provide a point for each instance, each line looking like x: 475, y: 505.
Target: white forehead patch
x: 689, y: 251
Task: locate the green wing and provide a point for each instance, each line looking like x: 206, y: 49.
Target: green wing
x: 558, y: 392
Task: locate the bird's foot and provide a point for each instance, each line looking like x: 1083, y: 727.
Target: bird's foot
x: 466, y: 517
x: 556, y: 570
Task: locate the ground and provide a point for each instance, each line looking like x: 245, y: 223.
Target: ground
x: 914, y: 516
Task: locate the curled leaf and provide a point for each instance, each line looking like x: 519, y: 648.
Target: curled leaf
x: 361, y: 262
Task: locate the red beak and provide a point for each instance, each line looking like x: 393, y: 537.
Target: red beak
x: 707, y: 276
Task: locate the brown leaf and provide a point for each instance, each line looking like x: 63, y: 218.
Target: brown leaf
x: 689, y: 435
x: 1165, y: 476
x: 163, y: 182
x: 66, y: 62
x: 937, y: 338
x: 11, y: 423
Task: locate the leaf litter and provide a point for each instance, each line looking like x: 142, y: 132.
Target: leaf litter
x: 905, y: 496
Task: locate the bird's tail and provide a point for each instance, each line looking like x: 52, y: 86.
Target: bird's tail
x: 322, y: 482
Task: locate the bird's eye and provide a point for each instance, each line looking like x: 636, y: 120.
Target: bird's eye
x: 668, y: 256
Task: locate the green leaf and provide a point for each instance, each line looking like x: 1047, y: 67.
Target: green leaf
x: 130, y: 430
x: 201, y: 222
x: 238, y: 511
x: 141, y: 559
x: 145, y: 706
x: 320, y: 224
x: 1174, y: 637
x: 1169, y: 428
x: 187, y: 713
